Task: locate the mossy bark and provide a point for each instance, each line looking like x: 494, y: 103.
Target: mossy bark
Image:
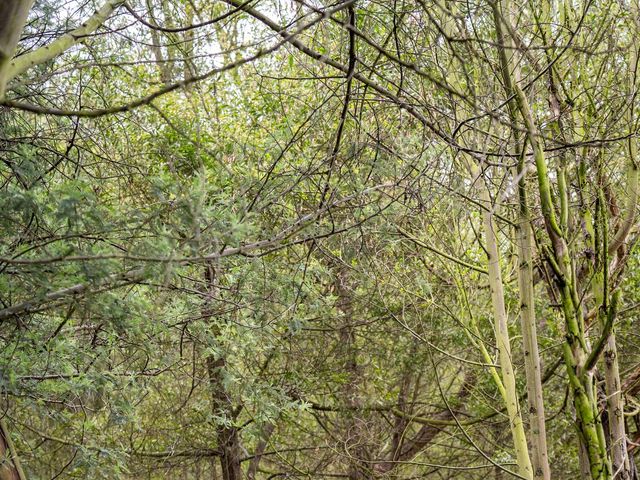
x: 575, y: 349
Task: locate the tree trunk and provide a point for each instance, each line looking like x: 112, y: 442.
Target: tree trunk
x: 13, y: 15
x: 355, y: 438
x: 10, y: 468
x: 615, y: 409
x: 62, y: 43
x: 156, y: 48
x: 227, y: 436
x: 622, y: 467
x: 221, y: 405
x: 503, y: 342
x: 260, y: 449
x: 524, y: 243
x: 535, y: 399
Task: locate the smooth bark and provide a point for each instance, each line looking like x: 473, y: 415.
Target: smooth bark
x: 13, y: 15
x: 504, y: 345
x: 524, y: 244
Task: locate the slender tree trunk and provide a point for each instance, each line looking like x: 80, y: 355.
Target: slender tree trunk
x: 10, y: 467
x: 227, y: 436
x: 524, y: 244
x: 615, y: 408
x: 506, y: 380
x: 355, y: 443
x: 13, y: 15
x: 156, y: 49
x: 64, y: 42
x: 503, y: 342
x: 535, y: 399
x: 622, y: 467
x: 189, y: 67
x: 221, y: 405
x: 576, y: 349
x: 260, y: 449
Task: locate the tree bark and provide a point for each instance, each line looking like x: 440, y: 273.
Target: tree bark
x: 221, y: 406
x: 63, y: 43
x: 575, y: 350
x: 622, y: 467
x: 524, y: 243
x: 13, y: 15
x: 355, y: 438
x: 503, y: 342
x: 260, y: 449
x: 10, y: 467
x: 615, y: 409
x: 535, y: 399
x: 156, y: 48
